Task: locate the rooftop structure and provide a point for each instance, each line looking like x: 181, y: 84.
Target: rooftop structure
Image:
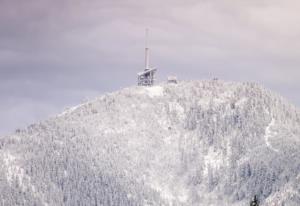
x: 172, y: 79
x: 146, y: 77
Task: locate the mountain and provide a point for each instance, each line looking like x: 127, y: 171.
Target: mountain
x: 191, y: 143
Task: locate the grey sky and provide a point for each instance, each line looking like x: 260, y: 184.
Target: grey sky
x: 56, y: 53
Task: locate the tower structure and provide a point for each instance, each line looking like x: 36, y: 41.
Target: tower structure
x: 147, y: 77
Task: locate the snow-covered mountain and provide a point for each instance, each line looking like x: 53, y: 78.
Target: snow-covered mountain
x: 191, y: 143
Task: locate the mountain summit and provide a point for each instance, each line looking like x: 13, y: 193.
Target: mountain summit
x: 191, y: 143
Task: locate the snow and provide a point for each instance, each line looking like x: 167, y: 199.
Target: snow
x: 163, y: 190
x: 269, y: 134
x: 155, y: 91
x: 167, y: 138
x: 15, y: 173
x: 282, y: 195
x: 167, y: 192
x: 241, y: 102
x: 213, y: 160
x: 70, y: 110
x: 204, y: 102
x: 176, y: 109
x: 11, y: 171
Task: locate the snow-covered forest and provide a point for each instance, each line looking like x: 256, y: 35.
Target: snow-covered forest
x: 191, y: 143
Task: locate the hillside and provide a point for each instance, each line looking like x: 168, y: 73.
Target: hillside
x: 194, y: 143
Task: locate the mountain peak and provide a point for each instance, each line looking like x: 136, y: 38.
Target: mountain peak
x: 191, y: 143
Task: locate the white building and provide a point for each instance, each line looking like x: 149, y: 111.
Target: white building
x: 172, y: 79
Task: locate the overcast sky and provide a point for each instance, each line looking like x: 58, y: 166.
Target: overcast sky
x: 57, y: 53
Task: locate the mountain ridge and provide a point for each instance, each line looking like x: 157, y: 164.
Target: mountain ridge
x: 191, y: 143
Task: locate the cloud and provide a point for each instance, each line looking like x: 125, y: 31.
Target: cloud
x: 50, y: 47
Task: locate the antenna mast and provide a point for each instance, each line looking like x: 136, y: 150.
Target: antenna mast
x: 147, y: 51
x: 146, y: 77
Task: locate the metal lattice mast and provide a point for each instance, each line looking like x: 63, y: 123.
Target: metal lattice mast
x: 147, y: 51
x: 146, y: 77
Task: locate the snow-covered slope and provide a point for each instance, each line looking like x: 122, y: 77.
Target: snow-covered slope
x: 192, y: 143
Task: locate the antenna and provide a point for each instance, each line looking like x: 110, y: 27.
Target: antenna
x: 146, y: 51
x: 146, y: 77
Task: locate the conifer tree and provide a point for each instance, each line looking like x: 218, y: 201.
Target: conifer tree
x: 254, y: 202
